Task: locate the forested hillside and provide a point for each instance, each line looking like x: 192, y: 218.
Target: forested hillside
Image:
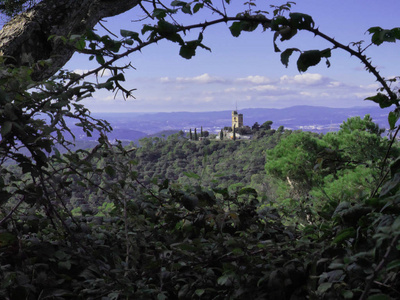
x: 286, y: 215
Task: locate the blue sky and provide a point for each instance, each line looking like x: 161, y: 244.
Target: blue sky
x: 247, y: 71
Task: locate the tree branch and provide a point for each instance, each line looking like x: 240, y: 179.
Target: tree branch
x: 26, y: 37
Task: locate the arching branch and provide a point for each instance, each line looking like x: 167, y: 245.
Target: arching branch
x: 25, y: 39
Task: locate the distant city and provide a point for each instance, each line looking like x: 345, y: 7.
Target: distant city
x: 134, y: 126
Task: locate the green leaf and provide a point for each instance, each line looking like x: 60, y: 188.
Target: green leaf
x: 276, y: 48
x: 323, y: 287
x: 191, y: 175
x: 169, y: 31
x: 187, y: 9
x: 347, y: 294
x: 379, y: 297
x: 197, y: 7
x: 106, y: 85
x: 235, y: 29
x: 187, y: 51
x: 199, y: 292
x: 344, y: 235
x: 248, y: 26
x: 178, y: 3
x: 110, y: 171
x: 393, y: 265
x: 381, y: 99
x: 159, y: 13
x: 393, y: 117
x: 127, y: 33
x: 390, y: 185
x: 286, y: 54
x: 248, y: 191
x: 301, y: 21
x: 308, y: 59
x: 223, y: 279
x: 166, y: 27
x: 114, y: 46
x: 147, y: 28
x: 278, y: 22
x: 6, y: 128
x: 65, y: 265
x: 118, y: 77
x: 80, y: 45
x: 135, y: 36
x: 161, y: 296
x: 395, y: 166
x: 287, y: 33
x: 326, y: 53
x: 100, y: 59
x: 380, y: 35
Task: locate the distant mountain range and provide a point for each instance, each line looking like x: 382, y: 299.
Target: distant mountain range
x: 134, y: 126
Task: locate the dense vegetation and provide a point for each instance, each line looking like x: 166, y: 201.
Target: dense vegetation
x: 287, y: 215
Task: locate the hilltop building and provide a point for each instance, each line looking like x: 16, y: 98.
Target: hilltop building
x: 237, y: 119
x: 241, y: 132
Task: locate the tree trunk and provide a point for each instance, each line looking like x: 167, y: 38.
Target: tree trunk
x: 25, y: 38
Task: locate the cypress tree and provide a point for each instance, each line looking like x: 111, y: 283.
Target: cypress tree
x: 195, y: 135
x: 234, y: 132
x: 201, y: 131
x: 190, y: 134
x: 221, y: 135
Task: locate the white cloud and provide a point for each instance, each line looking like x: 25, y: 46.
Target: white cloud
x: 334, y: 84
x: 256, y: 79
x: 373, y: 86
x: 80, y: 71
x: 102, y: 73
x: 303, y: 79
x: 204, y: 78
x: 231, y: 90
x: 165, y: 79
x: 262, y: 88
x: 362, y: 95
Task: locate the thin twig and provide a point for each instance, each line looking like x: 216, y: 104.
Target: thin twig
x: 380, y: 266
x: 12, y: 211
x: 383, y: 177
x: 106, y: 29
